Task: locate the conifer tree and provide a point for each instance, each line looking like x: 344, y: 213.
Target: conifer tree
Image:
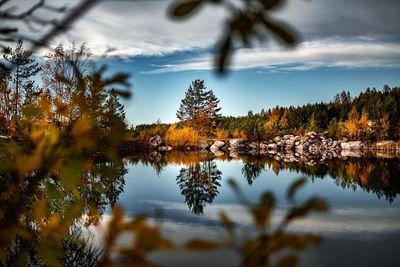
x: 212, y: 108
x: 24, y: 67
x: 199, y: 107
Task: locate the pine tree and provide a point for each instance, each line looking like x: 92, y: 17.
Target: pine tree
x: 114, y: 111
x: 199, y: 108
x: 212, y: 108
x: 312, y: 124
x: 186, y: 108
x: 24, y: 67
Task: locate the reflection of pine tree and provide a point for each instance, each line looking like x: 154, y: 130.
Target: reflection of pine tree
x: 252, y: 169
x: 107, y: 181
x: 199, y: 184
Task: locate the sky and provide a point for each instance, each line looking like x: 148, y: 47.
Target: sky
x: 344, y: 45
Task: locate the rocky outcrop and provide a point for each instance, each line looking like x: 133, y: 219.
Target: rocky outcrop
x: 204, y: 144
x: 312, y: 147
x: 216, y: 148
x: 353, y: 145
x: 387, y: 146
x: 155, y: 141
x: 311, y: 143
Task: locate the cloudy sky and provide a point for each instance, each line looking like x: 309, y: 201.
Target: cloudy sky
x: 344, y: 45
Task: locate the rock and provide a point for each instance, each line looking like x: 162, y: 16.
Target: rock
x: 352, y: 145
x: 311, y: 134
x: 234, y: 155
x: 203, y: 144
x: 155, y: 156
x: 271, y: 147
x: 299, y: 148
x: 263, y: 146
x: 385, y: 145
x: 155, y: 141
x: 349, y: 153
x: 162, y: 148
x: 242, y: 147
x: 218, y: 153
x: 254, y: 146
x: 214, y: 148
x: 235, y: 142
x: 218, y: 144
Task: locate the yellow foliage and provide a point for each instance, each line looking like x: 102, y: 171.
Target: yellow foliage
x: 352, y: 128
x: 182, y: 137
x: 146, y: 134
x: 351, y: 125
x: 239, y: 134
x: 221, y: 134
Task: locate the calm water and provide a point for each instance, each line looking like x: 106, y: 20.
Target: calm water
x: 186, y: 191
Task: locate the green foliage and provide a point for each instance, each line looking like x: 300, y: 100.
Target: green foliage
x: 375, y: 123
x: 51, y: 174
x: 22, y: 90
x: 199, y: 184
x: 199, y: 108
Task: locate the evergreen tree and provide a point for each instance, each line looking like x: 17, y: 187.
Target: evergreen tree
x: 312, y: 124
x: 114, y: 112
x: 24, y: 67
x: 199, y: 107
x: 212, y: 108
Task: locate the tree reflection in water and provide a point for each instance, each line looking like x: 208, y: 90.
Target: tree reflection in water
x: 252, y: 169
x: 199, y: 184
x: 33, y: 213
x: 379, y: 176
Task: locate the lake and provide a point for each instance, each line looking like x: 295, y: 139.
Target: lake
x: 185, y: 191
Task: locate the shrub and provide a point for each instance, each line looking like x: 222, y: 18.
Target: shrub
x: 221, y: 134
x: 239, y: 134
x: 150, y: 131
x: 183, y: 137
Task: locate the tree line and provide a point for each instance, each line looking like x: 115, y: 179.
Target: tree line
x: 26, y: 84
x: 370, y: 116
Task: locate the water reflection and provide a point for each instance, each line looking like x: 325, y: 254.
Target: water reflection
x: 38, y: 214
x: 252, y: 168
x: 199, y: 184
x: 376, y: 175
x: 356, y: 219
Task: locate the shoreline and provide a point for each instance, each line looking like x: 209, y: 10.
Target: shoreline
x: 310, y: 147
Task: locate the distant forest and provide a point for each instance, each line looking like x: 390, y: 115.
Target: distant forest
x: 370, y: 116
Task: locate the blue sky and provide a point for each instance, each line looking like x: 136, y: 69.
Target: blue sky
x: 344, y: 45
x: 157, y: 95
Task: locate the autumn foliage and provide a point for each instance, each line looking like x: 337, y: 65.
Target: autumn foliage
x: 182, y: 137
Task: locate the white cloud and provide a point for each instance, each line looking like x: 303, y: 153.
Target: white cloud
x: 144, y: 28
x: 309, y: 55
x: 342, y: 33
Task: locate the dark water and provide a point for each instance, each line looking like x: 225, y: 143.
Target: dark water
x: 186, y: 191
